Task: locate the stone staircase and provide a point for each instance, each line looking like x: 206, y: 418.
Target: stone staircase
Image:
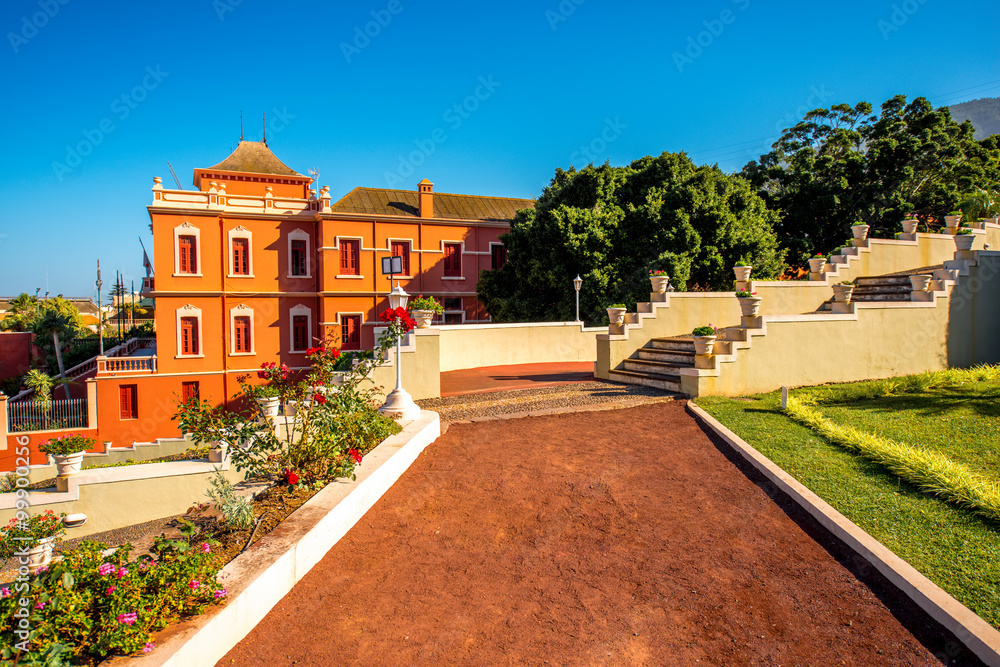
x: 658, y: 364
x: 886, y: 288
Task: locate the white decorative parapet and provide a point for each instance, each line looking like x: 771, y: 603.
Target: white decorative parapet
x: 126, y: 365
x: 217, y: 199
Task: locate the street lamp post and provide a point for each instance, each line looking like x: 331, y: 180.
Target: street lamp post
x: 577, y: 282
x: 100, y: 310
x: 399, y: 404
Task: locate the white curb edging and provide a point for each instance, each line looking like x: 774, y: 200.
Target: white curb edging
x: 977, y: 635
x: 260, y: 577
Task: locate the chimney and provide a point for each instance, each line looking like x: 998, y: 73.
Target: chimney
x: 426, y: 189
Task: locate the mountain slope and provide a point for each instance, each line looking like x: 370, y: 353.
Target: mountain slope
x: 984, y: 114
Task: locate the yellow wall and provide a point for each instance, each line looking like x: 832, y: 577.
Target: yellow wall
x: 472, y: 346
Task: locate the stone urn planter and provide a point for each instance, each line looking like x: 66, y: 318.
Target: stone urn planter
x: 816, y: 264
x: 860, y: 232
x: 910, y: 226
x: 750, y: 305
x: 270, y: 406
x: 843, y: 292
x: 423, y: 318
x: 964, y: 241
x: 218, y: 453
x: 39, y: 556
x: 659, y: 283
x: 68, y: 465
x: 704, y: 344
x: 616, y: 316
x: 951, y: 223
x: 742, y: 273
x: 920, y: 283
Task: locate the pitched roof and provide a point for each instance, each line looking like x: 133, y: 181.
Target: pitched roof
x: 254, y: 157
x: 379, y: 201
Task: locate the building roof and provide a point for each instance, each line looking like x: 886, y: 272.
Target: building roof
x: 256, y: 158
x: 379, y: 201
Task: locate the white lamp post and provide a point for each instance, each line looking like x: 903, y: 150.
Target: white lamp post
x: 577, y: 282
x: 399, y: 404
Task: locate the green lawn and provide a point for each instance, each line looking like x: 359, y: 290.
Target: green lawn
x: 952, y: 547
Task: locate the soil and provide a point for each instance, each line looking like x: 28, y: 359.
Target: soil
x: 622, y: 537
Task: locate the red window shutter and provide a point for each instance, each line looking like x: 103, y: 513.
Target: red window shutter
x: 350, y: 332
x: 241, y: 256
x: 299, y: 258
x: 241, y: 332
x: 128, y: 401
x: 189, y: 390
x: 452, y: 259
x: 187, y: 247
x: 349, y: 258
x: 402, y: 249
x: 300, y: 333
x: 499, y: 256
x: 189, y: 335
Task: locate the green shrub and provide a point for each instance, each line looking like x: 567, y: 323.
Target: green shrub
x: 236, y: 510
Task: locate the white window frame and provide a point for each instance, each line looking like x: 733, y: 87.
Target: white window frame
x: 300, y: 309
x: 453, y: 311
x: 190, y: 311
x: 461, y: 261
x: 241, y: 232
x: 388, y: 247
x: 490, y: 253
x: 242, y: 310
x: 361, y: 249
x: 187, y: 229
x: 300, y: 235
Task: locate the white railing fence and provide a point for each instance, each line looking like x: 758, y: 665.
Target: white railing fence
x: 39, y: 416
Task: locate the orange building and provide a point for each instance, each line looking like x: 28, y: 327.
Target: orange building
x: 255, y: 266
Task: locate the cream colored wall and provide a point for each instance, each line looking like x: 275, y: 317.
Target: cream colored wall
x: 473, y: 346
x: 421, y: 363
x: 974, y: 317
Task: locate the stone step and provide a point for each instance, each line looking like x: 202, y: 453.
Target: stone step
x: 883, y: 289
x: 680, y: 343
x: 681, y: 357
x: 882, y: 297
x: 664, y: 382
x: 882, y: 281
x: 654, y: 367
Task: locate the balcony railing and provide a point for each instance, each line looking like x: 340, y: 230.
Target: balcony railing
x: 126, y: 365
x: 41, y: 416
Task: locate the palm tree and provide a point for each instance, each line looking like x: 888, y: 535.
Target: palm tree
x: 56, y: 323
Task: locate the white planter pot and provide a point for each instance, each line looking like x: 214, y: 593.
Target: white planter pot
x: 423, y: 318
x: 659, y: 283
x: 704, y: 344
x: 218, y: 454
x: 952, y: 220
x: 920, y: 283
x: 843, y: 293
x: 951, y: 229
x: 816, y: 264
x: 269, y: 406
x: 616, y: 315
x: 750, y: 305
x: 860, y: 231
x: 69, y: 464
x: 39, y: 556
x: 742, y: 273
x: 965, y: 241
x: 910, y: 226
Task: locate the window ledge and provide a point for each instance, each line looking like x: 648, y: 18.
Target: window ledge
x: 305, y: 277
x: 349, y: 276
x: 452, y: 277
x: 296, y: 352
x: 242, y: 354
x: 240, y: 275
x: 187, y: 275
x: 189, y: 356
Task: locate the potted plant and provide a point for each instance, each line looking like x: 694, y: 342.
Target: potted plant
x: 860, y: 231
x: 964, y: 238
x: 36, y: 536
x: 843, y: 291
x: 910, y: 225
x: 704, y: 339
x: 270, y: 395
x: 749, y: 303
x: 67, y: 451
x: 920, y: 283
x: 952, y: 221
x: 817, y: 263
x: 423, y: 309
x: 616, y: 313
x: 742, y: 273
x: 659, y: 280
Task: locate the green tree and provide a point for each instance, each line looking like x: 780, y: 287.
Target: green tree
x: 612, y: 225
x: 56, y: 324
x: 842, y: 165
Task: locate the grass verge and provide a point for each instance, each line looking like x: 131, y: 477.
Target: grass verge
x: 954, y: 548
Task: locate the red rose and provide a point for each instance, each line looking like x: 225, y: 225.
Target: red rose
x: 319, y: 398
x: 354, y: 454
x: 335, y: 354
x: 291, y: 477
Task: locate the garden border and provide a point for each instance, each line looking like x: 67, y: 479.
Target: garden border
x: 977, y: 635
x: 260, y: 577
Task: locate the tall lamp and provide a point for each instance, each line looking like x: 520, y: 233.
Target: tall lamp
x: 100, y: 310
x: 399, y: 404
x: 577, y: 283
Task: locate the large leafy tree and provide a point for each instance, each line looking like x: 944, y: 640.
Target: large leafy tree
x: 844, y: 165
x: 611, y: 225
x: 55, y: 322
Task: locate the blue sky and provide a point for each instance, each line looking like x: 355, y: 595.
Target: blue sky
x: 538, y: 85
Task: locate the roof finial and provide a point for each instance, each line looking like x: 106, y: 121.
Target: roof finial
x: 241, y: 125
x: 265, y: 128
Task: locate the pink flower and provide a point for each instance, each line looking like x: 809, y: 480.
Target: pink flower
x: 194, y: 584
x: 128, y: 619
x: 205, y: 548
x: 221, y: 594
x: 40, y: 605
x: 148, y: 648
x: 43, y: 568
x: 4, y: 592
x: 105, y: 569
x: 111, y: 589
x: 122, y: 573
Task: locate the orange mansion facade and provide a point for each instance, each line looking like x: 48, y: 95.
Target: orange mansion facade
x: 254, y: 266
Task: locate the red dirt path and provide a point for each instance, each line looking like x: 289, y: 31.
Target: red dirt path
x: 519, y: 376
x: 623, y: 537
